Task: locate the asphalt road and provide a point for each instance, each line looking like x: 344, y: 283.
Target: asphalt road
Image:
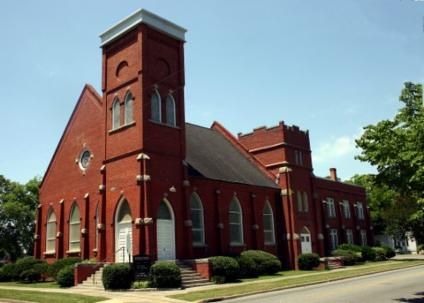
x: 406, y: 285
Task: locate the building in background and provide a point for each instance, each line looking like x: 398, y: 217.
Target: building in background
x: 130, y: 177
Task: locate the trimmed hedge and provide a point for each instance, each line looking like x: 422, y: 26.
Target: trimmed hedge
x: 165, y: 275
x: 248, y: 267
x: 54, y: 268
x: 7, y: 272
x: 308, y: 261
x: 224, y: 269
x: 351, y: 247
x: 65, y: 276
x: 368, y: 254
x: 349, y: 257
x: 266, y: 263
x: 380, y: 253
x: 388, y: 251
x: 117, y: 276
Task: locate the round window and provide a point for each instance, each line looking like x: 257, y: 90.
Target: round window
x: 85, y: 159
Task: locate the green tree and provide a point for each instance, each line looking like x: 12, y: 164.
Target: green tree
x: 18, y: 204
x: 396, y: 148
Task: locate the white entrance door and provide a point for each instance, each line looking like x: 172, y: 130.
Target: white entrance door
x: 124, y: 243
x: 165, y: 232
x: 306, y: 243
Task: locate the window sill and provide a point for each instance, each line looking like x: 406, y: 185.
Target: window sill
x: 121, y: 128
x: 49, y: 253
x: 164, y: 124
x: 73, y: 252
x: 200, y: 245
x: 237, y: 244
x: 269, y: 244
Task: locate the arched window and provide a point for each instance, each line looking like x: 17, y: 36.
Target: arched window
x: 299, y: 202
x: 51, y: 232
x: 236, y: 223
x: 156, y: 107
x: 116, y: 114
x: 129, y: 104
x: 74, y: 228
x: 269, y: 233
x: 170, y: 111
x: 96, y: 223
x: 305, y: 202
x: 198, y: 230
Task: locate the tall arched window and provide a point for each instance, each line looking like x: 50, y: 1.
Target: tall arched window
x: 170, y: 111
x: 74, y: 228
x: 129, y: 104
x: 236, y: 223
x: 156, y: 107
x: 116, y: 114
x: 198, y: 230
x: 305, y: 202
x: 51, y: 232
x: 269, y: 233
x: 96, y: 223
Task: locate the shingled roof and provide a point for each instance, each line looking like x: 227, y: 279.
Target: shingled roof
x: 212, y: 156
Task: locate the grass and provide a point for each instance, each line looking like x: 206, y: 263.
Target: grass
x: 51, y: 297
x: 281, y: 274
x: 287, y: 281
x: 35, y: 285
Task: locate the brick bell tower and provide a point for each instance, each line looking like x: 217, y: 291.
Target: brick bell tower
x: 143, y: 97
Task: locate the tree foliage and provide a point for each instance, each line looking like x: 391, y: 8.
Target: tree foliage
x: 18, y: 203
x: 396, y: 148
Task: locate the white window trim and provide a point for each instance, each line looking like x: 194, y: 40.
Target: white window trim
x: 174, y: 124
x: 52, y: 224
x: 271, y: 216
x: 349, y: 236
x: 239, y: 224
x: 116, y: 110
x: 71, y: 224
x: 334, y: 238
x: 346, y: 209
x: 202, y: 221
x: 331, y: 209
x: 128, y: 97
x: 159, y: 106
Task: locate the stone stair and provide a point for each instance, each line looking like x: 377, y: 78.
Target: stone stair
x: 94, y: 281
x: 191, y: 278
x: 334, y: 263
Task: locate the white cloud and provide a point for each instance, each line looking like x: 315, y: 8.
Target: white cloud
x: 337, y: 148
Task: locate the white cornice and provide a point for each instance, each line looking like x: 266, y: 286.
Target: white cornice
x: 146, y: 17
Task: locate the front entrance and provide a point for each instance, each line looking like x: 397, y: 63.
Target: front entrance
x: 165, y: 232
x: 123, y: 233
x: 305, y: 241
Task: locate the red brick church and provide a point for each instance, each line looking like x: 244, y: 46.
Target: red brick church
x: 131, y: 177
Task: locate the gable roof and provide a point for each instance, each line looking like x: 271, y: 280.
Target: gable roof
x: 213, y: 156
x: 87, y: 89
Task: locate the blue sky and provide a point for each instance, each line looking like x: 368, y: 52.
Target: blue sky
x: 328, y: 66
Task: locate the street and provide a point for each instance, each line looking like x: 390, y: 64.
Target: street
x: 406, y: 285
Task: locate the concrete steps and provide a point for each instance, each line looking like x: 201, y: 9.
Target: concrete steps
x: 94, y: 281
x: 191, y: 278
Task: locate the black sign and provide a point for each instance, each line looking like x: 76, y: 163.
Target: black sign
x: 141, y: 266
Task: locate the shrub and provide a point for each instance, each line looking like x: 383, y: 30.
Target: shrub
x: 25, y: 264
x: 224, y: 269
x: 380, y: 253
x: 65, y: 276
x: 266, y: 263
x: 7, y: 272
x: 420, y: 248
x: 351, y: 247
x: 349, y: 257
x: 308, y: 261
x: 248, y: 268
x: 30, y: 276
x: 54, y: 268
x: 388, y: 251
x: 117, y: 276
x: 41, y: 268
x: 368, y: 254
x: 165, y: 275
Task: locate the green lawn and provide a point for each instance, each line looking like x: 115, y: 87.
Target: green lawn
x: 51, y: 297
x: 287, y: 281
x: 35, y: 285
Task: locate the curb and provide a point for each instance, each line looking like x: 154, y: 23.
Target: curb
x: 300, y: 285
